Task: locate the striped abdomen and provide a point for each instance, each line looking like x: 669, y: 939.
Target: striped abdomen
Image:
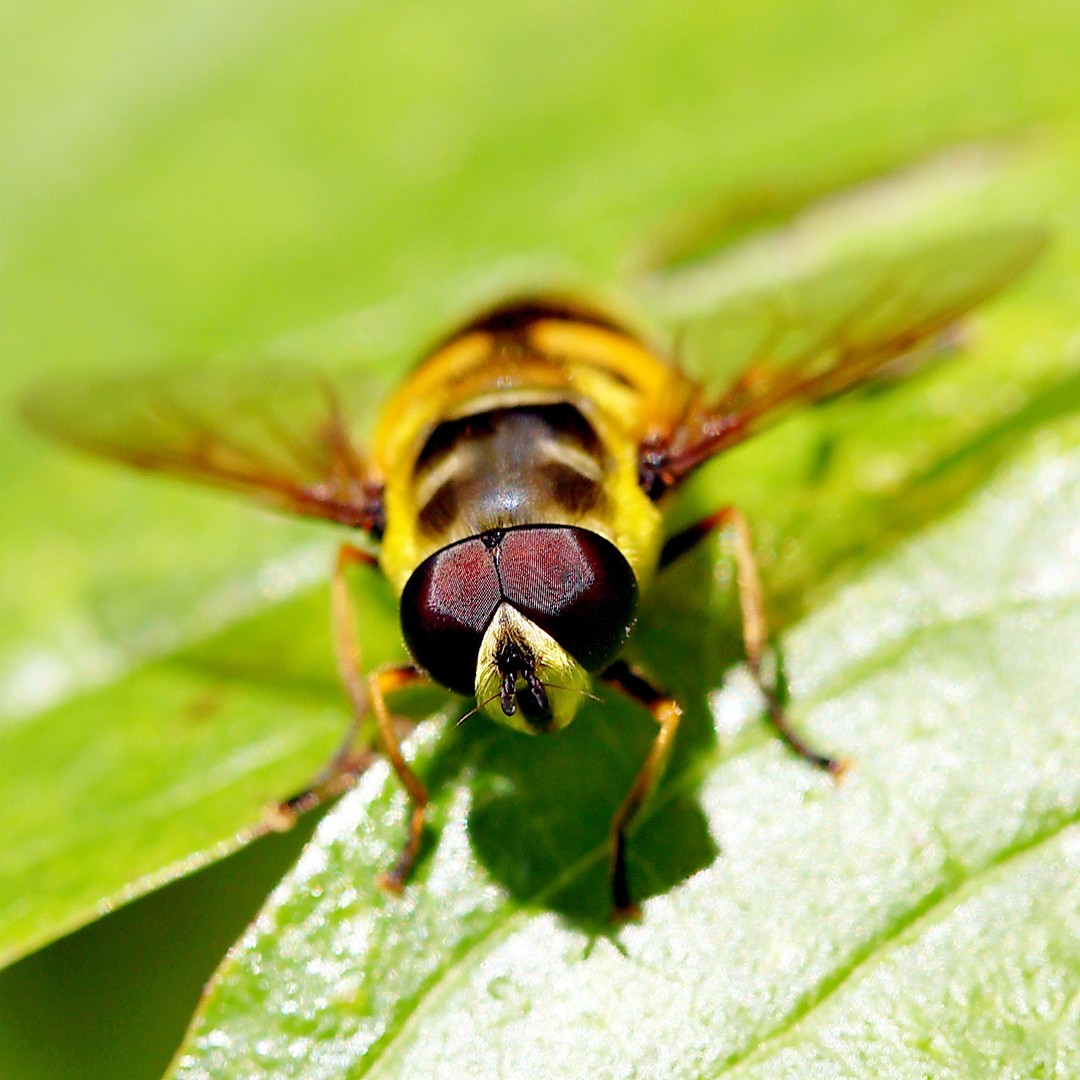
x: 519, y: 465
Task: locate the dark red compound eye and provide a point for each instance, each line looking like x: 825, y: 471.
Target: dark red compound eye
x: 571, y: 582
x: 446, y: 606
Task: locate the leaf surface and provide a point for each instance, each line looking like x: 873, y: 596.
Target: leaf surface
x: 922, y: 918
x: 200, y: 179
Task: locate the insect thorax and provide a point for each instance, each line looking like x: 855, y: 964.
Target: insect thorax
x: 507, y: 466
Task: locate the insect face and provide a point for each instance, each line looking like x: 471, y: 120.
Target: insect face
x: 519, y: 617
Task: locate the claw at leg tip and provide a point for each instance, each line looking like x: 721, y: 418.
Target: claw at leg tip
x: 279, y: 817
x: 390, y: 882
x: 839, y: 768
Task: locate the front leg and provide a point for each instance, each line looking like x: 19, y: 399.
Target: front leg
x: 379, y: 684
x: 367, y: 698
x: 667, y: 713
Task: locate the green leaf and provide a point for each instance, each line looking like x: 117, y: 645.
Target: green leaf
x: 221, y: 698
x: 920, y: 920
x: 197, y: 745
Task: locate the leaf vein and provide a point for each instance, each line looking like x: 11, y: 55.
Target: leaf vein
x: 876, y: 947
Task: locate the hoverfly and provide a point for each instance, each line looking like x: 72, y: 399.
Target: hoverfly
x: 516, y: 483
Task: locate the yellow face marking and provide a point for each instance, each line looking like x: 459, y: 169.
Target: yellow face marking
x: 564, y: 679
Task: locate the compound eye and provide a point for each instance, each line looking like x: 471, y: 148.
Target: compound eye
x: 573, y: 584
x: 446, y: 607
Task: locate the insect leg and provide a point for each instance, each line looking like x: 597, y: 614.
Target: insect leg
x: 379, y: 683
x: 347, y: 763
x: 667, y: 713
x: 369, y: 696
x: 678, y: 545
x: 756, y: 631
x: 347, y: 648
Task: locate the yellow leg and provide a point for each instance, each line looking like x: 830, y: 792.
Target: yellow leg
x: 346, y: 643
x: 348, y: 762
x: 666, y: 713
x: 754, y: 627
x: 367, y: 697
x: 379, y: 684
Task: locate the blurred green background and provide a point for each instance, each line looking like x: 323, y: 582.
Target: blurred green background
x: 272, y: 177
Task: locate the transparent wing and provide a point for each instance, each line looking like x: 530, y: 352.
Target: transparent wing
x: 284, y: 436
x: 817, y: 336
